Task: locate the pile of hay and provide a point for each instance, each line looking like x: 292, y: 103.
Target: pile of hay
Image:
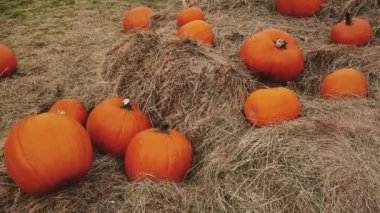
x: 337, y: 8
x: 328, y: 160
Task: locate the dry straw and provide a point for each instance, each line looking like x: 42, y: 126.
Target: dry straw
x: 325, y: 161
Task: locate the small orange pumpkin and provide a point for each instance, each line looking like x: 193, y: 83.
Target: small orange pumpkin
x: 270, y: 106
x: 352, y: 31
x: 344, y: 83
x: 70, y: 107
x: 189, y: 15
x: 299, y: 8
x: 113, y: 123
x: 274, y: 54
x: 8, y: 61
x: 45, y: 151
x: 158, y: 154
x: 137, y: 18
x: 197, y: 30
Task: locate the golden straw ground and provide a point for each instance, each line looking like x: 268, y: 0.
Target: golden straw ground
x: 326, y: 161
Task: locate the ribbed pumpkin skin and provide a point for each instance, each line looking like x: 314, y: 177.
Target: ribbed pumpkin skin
x: 299, y: 8
x: 158, y: 156
x: 45, y: 151
x: 137, y: 18
x: 112, y: 127
x: 270, y: 106
x: 260, y: 53
x: 70, y: 107
x: 197, y: 30
x: 359, y: 33
x: 189, y: 15
x: 8, y: 61
x: 344, y: 83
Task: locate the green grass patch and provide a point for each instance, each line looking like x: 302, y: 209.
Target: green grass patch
x: 14, y: 8
x: 150, y: 3
x: 18, y: 9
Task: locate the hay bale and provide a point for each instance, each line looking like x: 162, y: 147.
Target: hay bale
x: 308, y: 164
x: 324, y: 60
x: 182, y: 83
x: 331, y: 9
x: 337, y: 8
x: 213, y: 5
x: 191, y: 87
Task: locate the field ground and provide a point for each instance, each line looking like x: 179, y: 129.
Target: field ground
x: 328, y: 160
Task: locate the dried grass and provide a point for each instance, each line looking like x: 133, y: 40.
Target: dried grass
x: 336, y: 8
x: 325, y: 161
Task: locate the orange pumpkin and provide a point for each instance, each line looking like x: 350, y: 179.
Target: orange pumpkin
x: 8, y: 62
x: 70, y: 107
x: 158, y: 154
x: 197, y: 30
x: 274, y: 54
x: 270, y: 106
x: 45, y: 151
x: 352, y: 31
x: 344, y: 83
x: 137, y: 18
x: 299, y: 8
x: 189, y: 15
x: 113, y: 123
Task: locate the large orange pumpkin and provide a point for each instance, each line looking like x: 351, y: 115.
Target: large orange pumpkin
x: 189, y: 15
x: 274, y: 54
x: 344, y: 83
x: 45, y: 151
x: 299, y: 8
x: 8, y: 62
x: 158, y: 154
x: 270, y: 106
x: 113, y: 123
x: 137, y: 18
x: 352, y: 31
x: 70, y: 107
x: 197, y: 30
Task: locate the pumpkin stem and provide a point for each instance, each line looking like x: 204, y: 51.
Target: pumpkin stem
x: 61, y: 111
x: 163, y: 128
x: 280, y: 43
x: 348, y: 18
x: 127, y: 104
